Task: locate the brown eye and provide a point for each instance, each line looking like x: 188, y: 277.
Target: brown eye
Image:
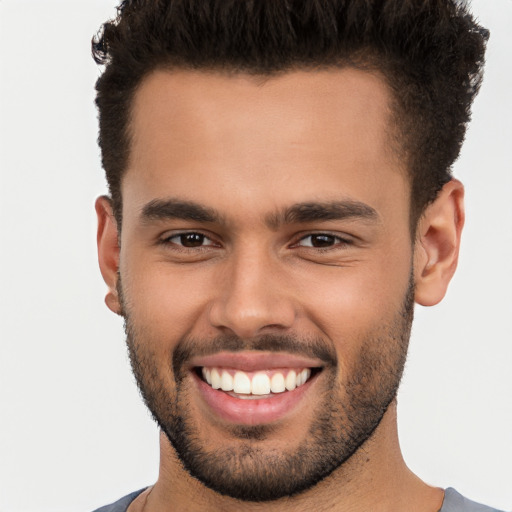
x: 319, y: 241
x: 322, y: 240
x: 190, y: 240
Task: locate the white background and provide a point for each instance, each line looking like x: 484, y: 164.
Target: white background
x: 73, y: 432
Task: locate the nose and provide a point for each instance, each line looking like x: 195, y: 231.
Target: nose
x: 252, y: 297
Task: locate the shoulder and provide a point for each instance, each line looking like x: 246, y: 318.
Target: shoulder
x: 455, y: 502
x: 120, y: 505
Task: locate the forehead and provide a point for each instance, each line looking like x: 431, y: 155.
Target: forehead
x: 316, y: 133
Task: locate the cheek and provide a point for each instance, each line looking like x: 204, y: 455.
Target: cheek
x: 345, y: 304
x: 163, y: 304
x: 357, y: 303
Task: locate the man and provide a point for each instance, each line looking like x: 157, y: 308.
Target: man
x: 280, y: 197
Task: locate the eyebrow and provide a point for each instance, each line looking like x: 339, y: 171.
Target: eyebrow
x: 162, y: 209
x: 300, y: 213
x: 323, y: 211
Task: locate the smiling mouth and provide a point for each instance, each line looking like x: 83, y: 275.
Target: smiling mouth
x: 257, y: 384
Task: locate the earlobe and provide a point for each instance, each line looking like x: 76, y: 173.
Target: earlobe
x: 438, y: 243
x: 108, y: 251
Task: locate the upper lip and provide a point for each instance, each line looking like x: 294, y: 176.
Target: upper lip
x: 250, y: 361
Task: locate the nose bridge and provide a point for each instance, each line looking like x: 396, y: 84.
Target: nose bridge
x: 251, y: 296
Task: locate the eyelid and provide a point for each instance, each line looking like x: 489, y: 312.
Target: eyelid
x: 205, y: 239
x: 340, y: 240
x: 166, y: 238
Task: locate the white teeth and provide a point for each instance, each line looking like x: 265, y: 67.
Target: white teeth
x: 260, y: 384
x: 303, y: 376
x: 207, y: 375
x: 216, y: 382
x: 242, y: 383
x: 248, y: 397
x: 226, y: 381
x: 277, y: 383
x: 291, y: 380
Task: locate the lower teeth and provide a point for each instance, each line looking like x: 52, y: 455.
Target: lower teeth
x: 249, y: 397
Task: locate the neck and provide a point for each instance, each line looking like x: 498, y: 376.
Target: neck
x: 375, y: 478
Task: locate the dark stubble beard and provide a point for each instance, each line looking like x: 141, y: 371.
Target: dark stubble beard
x: 345, y: 417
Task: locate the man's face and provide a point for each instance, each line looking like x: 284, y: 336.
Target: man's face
x: 265, y: 235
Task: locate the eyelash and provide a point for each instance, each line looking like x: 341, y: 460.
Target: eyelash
x: 167, y: 241
x: 338, y: 241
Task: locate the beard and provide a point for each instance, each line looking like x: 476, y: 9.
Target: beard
x: 345, y: 417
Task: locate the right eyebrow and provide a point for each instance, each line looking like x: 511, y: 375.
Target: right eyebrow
x: 163, y: 209
x: 323, y: 211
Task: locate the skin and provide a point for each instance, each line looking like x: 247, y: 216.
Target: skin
x: 248, y: 149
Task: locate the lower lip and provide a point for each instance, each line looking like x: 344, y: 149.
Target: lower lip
x: 251, y: 411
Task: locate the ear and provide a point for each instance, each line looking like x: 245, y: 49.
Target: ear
x: 108, y: 250
x: 437, y: 244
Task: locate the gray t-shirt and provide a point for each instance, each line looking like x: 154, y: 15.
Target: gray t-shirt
x: 453, y: 502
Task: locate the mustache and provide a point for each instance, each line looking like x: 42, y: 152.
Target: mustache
x: 307, y: 347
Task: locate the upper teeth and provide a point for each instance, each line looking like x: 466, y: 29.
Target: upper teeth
x: 259, y: 383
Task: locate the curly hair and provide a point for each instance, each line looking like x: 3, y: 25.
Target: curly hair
x: 430, y: 52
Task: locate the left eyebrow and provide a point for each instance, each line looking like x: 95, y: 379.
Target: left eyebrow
x: 163, y: 209
x: 322, y: 211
